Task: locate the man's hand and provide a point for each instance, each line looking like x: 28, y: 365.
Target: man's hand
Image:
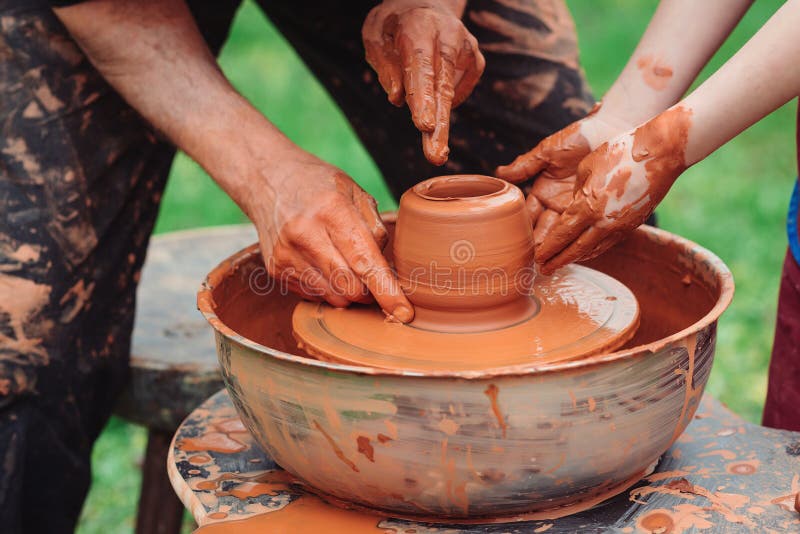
x: 424, y: 55
x: 618, y: 186
x: 321, y: 235
x: 554, y: 163
x: 319, y: 232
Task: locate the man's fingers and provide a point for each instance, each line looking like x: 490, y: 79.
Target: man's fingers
x: 544, y: 224
x: 294, y: 271
x: 568, y: 227
x: 393, y: 71
x: 416, y: 51
x: 294, y: 286
x: 535, y: 208
x: 525, y: 166
x: 322, y: 256
x: 576, y: 251
x: 363, y: 256
x: 380, y: 54
x: 368, y: 209
x: 390, y: 74
x: 472, y: 63
x: 435, y: 145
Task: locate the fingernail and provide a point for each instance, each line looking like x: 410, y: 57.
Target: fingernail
x: 403, y: 313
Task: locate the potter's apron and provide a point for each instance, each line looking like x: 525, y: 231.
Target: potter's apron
x: 782, y: 409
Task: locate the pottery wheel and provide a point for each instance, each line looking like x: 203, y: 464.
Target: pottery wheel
x: 576, y: 312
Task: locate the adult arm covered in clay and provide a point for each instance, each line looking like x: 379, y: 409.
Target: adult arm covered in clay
x: 680, y: 39
x: 620, y: 183
x: 426, y: 57
x: 319, y: 232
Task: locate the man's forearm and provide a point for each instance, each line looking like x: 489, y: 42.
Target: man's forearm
x: 152, y: 53
x: 680, y: 39
x: 316, y: 227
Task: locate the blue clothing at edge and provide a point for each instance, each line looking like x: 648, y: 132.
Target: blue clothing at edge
x: 791, y: 223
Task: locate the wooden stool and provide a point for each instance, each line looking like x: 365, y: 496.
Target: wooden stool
x: 722, y: 475
x: 173, y: 359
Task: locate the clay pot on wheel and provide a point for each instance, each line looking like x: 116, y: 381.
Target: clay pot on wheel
x: 463, y: 251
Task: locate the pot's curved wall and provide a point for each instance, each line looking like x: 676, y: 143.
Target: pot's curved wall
x: 454, y: 447
x: 472, y: 445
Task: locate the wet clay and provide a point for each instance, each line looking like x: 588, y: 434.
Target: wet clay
x: 618, y: 186
x: 462, y: 249
x: 223, y: 440
x: 728, y: 505
x: 667, y: 304
x: 654, y: 73
x: 21, y: 299
x: 491, y: 392
x: 601, y: 315
x: 553, y: 163
x: 425, y: 56
x: 691, y: 395
x: 305, y: 514
x: 556, y: 157
x: 280, y: 394
x: 742, y: 468
x: 309, y: 514
x: 657, y: 521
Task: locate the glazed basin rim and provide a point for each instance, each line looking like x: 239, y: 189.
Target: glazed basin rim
x: 205, y: 303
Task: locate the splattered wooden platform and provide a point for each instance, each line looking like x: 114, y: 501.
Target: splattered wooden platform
x: 722, y: 475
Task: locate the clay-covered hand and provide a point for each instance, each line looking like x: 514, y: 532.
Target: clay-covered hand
x: 321, y: 236
x: 618, y: 186
x: 425, y: 56
x: 554, y: 162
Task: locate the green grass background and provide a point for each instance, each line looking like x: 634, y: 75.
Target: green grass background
x: 733, y: 203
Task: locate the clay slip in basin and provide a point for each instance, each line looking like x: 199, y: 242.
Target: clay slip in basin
x: 463, y: 251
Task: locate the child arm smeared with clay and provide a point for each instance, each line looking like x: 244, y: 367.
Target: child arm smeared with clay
x: 678, y: 42
x: 620, y: 183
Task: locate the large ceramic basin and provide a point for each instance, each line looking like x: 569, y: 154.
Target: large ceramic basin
x: 500, y: 443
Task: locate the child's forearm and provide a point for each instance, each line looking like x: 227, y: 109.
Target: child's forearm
x: 680, y: 39
x: 761, y: 77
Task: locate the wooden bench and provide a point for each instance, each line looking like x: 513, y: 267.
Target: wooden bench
x: 173, y: 359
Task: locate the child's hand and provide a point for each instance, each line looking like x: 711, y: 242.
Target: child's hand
x: 618, y: 186
x: 554, y: 163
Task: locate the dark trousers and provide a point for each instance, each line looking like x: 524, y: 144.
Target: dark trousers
x: 81, y: 176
